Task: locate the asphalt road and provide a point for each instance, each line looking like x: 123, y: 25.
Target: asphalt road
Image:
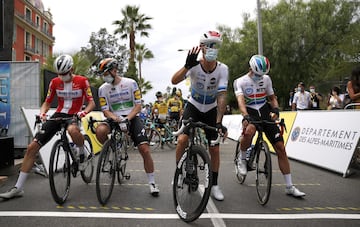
x: 331, y: 200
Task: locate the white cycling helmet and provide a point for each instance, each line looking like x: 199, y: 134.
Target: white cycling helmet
x: 210, y: 37
x: 63, y: 64
x: 259, y: 64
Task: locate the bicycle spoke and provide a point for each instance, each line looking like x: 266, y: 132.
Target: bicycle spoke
x: 263, y: 174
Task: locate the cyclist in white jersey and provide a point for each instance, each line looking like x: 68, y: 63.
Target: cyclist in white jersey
x: 120, y: 99
x: 209, y: 80
x: 252, y: 92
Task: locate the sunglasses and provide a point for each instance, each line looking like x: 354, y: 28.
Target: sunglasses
x: 211, y: 45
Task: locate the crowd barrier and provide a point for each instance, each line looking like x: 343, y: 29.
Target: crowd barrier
x: 327, y: 139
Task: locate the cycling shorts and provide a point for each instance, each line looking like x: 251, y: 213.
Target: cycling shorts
x: 271, y: 131
x: 207, y: 117
x: 49, y: 128
x: 137, y: 131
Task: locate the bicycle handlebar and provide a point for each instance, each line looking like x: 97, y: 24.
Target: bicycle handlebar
x: 91, y: 122
x: 280, y: 122
x: 192, y: 124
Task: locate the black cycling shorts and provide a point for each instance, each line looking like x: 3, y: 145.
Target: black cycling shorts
x: 208, y: 118
x: 271, y: 131
x: 49, y: 128
x: 137, y: 131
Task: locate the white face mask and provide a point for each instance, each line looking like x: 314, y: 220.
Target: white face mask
x: 312, y: 90
x: 65, y: 78
x: 299, y: 89
x: 211, y: 54
x: 108, y: 79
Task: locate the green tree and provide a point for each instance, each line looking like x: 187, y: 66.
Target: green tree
x: 314, y: 41
x: 133, y: 22
x: 141, y: 54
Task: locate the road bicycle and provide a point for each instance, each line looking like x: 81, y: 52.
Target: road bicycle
x: 260, y: 153
x: 193, y: 176
x: 153, y: 134
x: 65, y: 160
x: 160, y: 134
x: 113, y: 159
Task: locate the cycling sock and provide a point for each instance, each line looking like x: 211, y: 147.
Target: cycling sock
x: 21, y: 180
x: 288, y: 180
x: 215, y: 177
x: 151, y: 177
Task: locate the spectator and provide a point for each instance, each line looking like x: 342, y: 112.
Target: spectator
x: 315, y: 98
x: 353, y: 86
x: 228, y: 110
x: 334, y: 101
x: 301, y: 98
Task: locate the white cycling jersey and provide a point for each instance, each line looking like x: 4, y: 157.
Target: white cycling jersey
x: 255, y: 93
x: 120, y: 98
x: 206, y: 86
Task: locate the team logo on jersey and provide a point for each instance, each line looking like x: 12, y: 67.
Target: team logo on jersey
x: 200, y: 85
x: 137, y: 94
x: 212, y: 80
x: 88, y: 91
x: 102, y: 101
x: 249, y: 91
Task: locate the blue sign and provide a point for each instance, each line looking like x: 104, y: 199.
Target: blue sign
x: 5, y: 107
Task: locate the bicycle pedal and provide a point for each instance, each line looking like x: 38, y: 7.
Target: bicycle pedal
x: 127, y: 176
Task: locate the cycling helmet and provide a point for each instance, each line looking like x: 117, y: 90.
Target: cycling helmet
x: 259, y: 64
x: 178, y: 93
x: 158, y: 94
x: 63, y: 64
x: 210, y: 37
x: 106, y: 65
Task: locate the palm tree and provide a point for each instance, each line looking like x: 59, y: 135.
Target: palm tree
x: 142, y: 53
x: 132, y: 23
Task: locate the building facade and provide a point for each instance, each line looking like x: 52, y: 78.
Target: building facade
x: 26, y: 31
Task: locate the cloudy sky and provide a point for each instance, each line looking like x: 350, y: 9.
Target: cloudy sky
x: 176, y: 25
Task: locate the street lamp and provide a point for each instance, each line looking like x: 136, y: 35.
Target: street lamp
x: 259, y: 26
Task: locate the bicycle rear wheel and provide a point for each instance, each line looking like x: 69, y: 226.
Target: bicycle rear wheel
x: 240, y: 178
x: 263, y: 173
x: 88, y: 170
x: 154, y: 138
x: 169, y: 138
x: 59, y: 173
x: 105, y: 173
x: 192, y: 184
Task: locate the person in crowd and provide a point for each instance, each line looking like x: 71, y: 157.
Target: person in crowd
x: 175, y: 106
x: 315, y: 98
x: 120, y: 99
x: 207, y: 102
x: 257, y: 101
x: 228, y: 110
x: 334, y: 100
x: 71, y: 90
x: 159, y: 110
x: 353, y: 86
x: 301, y: 99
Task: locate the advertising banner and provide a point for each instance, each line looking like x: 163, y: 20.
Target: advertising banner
x: 325, y: 138
x: 5, y: 107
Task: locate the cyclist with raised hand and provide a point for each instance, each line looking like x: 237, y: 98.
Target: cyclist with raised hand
x: 120, y: 99
x: 71, y: 91
x: 252, y: 92
x: 207, y: 103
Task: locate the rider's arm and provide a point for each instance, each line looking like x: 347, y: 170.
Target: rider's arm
x: 179, y: 75
x: 90, y: 106
x: 221, y: 106
x: 242, y: 105
x: 44, y: 107
x: 134, y: 111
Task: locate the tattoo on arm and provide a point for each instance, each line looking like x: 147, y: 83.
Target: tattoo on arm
x: 221, y: 106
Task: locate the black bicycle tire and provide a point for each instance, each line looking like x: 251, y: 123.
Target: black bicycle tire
x: 239, y: 177
x: 169, y: 138
x: 120, y: 172
x: 263, y: 147
x: 87, y: 178
x: 189, y: 217
x: 103, y: 154
x: 59, y: 199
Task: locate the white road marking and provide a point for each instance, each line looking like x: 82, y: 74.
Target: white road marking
x: 175, y: 216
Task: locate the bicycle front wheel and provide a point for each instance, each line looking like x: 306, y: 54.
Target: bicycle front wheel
x: 105, y: 173
x: 263, y: 173
x: 59, y: 172
x: 192, y: 184
x: 88, y: 169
